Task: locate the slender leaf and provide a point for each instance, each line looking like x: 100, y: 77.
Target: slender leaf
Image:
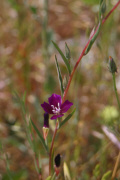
x: 93, y: 39
x: 36, y: 166
x: 59, y: 76
x: 40, y: 136
x: 63, y: 57
x: 66, y: 119
x: 67, y: 52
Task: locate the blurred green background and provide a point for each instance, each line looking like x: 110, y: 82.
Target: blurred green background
x: 27, y: 63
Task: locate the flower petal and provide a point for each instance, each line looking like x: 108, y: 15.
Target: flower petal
x: 65, y: 106
x: 47, y: 108
x: 56, y: 116
x: 54, y: 100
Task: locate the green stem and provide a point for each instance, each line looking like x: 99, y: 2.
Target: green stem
x: 115, y: 89
x: 46, y: 142
x: 118, y: 157
x: 83, y: 52
x: 71, y: 76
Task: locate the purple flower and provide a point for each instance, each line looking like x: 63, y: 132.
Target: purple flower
x: 55, y: 106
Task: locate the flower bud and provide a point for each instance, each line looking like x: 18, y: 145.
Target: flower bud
x: 112, y: 65
x: 46, y: 125
x: 57, y: 164
x: 103, y: 7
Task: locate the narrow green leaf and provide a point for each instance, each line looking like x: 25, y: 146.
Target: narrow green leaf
x: 67, y: 118
x: 59, y: 76
x: 67, y: 52
x: 103, y: 7
x: 93, y: 39
x: 40, y: 136
x: 36, y: 166
x: 63, y: 57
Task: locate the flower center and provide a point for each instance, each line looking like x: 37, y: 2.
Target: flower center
x: 56, y: 110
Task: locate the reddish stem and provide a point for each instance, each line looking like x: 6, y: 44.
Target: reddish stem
x: 111, y: 11
x: 82, y: 54
x: 71, y: 76
x: 51, y: 148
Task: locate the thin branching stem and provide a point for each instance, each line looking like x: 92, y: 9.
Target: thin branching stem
x: 83, y: 52
x: 51, y: 148
x: 71, y: 76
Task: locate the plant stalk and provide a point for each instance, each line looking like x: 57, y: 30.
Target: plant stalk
x: 115, y: 89
x: 71, y: 76
x: 118, y: 157
x: 51, y: 148
x: 82, y: 54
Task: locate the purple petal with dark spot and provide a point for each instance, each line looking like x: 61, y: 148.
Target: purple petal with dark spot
x: 56, y: 116
x: 65, y: 106
x: 54, y: 100
x: 47, y: 108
